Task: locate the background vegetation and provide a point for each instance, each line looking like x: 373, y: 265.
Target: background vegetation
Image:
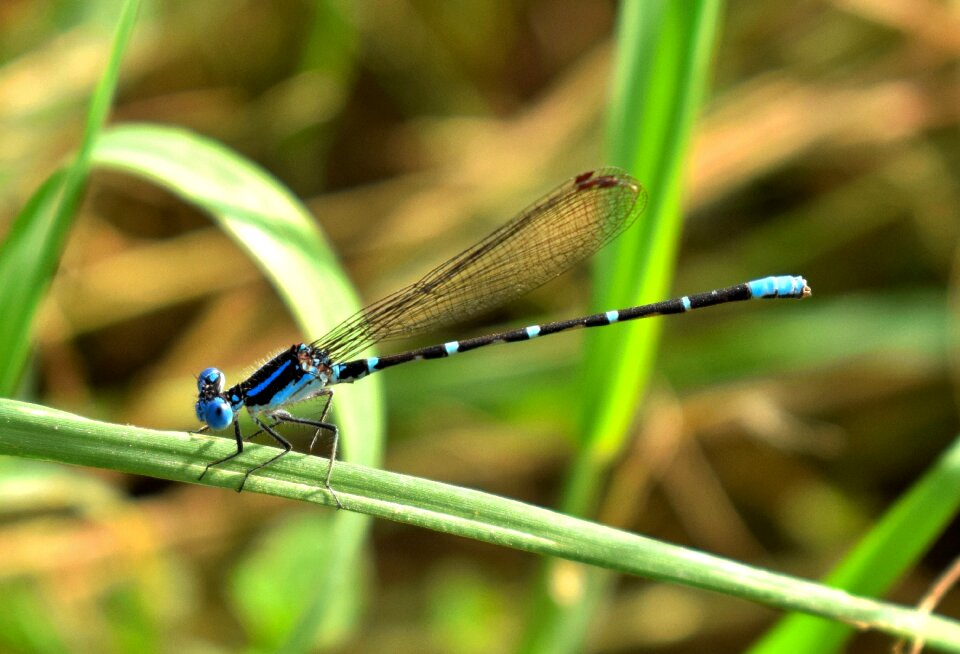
x: 774, y: 435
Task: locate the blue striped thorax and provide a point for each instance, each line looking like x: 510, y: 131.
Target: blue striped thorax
x: 295, y: 374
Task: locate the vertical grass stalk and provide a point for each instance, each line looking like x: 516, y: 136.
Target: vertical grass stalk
x: 662, y: 63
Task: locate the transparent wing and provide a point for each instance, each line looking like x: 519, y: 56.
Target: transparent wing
x: 552, y: 235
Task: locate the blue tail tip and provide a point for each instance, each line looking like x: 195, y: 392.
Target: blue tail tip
x: 780, y: 286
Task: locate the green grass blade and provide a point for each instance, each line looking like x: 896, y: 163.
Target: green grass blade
x: 279, y: 234
x: 659, y: 81
x: 268, y: 584
x: 897, y: 542
x: 663, y: 57
x: 31, y: 251
x: 37, y: 432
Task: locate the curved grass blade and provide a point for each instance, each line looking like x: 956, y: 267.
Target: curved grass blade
x: 278, y: 233
x: 271, y: 225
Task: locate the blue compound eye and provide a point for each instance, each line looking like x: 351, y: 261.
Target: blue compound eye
x: 217, y: 413
x: 211, y: 377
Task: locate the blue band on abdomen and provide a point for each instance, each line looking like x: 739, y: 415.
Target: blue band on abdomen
x: 779, y: 286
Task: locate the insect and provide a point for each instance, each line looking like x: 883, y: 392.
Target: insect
x: 558, y: 231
